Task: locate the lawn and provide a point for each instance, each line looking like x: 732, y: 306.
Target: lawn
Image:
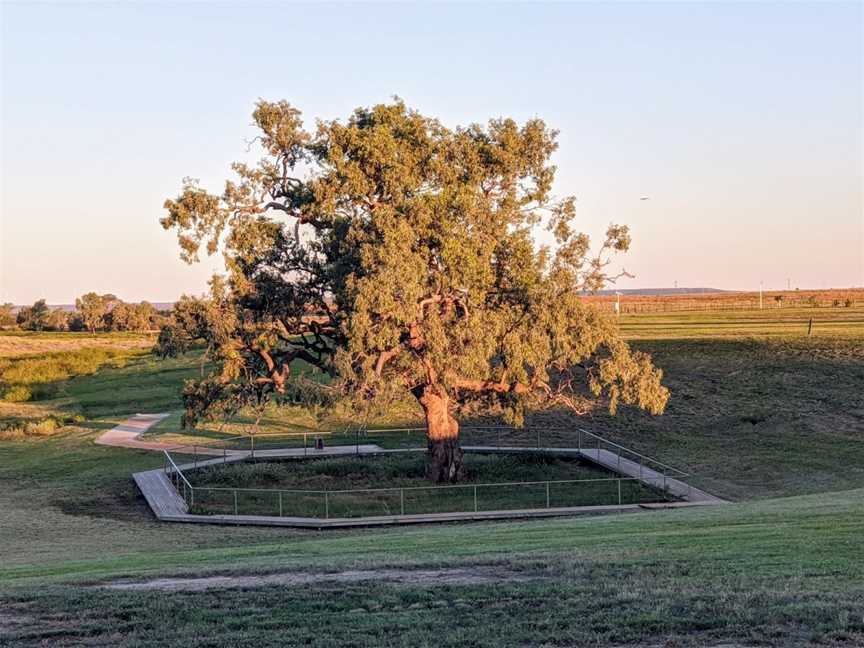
x: 753, y: 414
x: 779, y: 572
x: 762, y: 413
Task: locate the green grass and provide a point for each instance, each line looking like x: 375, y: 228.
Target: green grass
x: 770, y: 322
x: 783, y: 573
x: 37, y: 377
x: 759, y: 411
x: 753, y: 417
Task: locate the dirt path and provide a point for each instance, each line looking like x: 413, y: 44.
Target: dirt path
x: 425, y: 577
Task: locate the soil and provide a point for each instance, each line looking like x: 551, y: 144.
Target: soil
x: 426, y: 577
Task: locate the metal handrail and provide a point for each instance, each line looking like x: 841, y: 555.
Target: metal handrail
x: 638, y: 454
x: 177, y: 470
x: 189, y: 491
x: 400, y: 490
x: 415, y: 488
x: 357, y: 433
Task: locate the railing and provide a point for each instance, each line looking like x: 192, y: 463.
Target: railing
x: 589, y: 441
x: 643, y: 470
x: 263, y: 445
x: 179, y: 481
x: 418, y: 500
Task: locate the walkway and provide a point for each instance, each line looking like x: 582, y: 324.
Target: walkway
x: 622, y: 466
x: 168, y: 505
x: 126, y: 435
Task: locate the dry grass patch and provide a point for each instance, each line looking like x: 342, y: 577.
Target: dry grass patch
x: 19, y: 344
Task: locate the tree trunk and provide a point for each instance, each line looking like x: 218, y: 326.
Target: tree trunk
x: 445, y: 456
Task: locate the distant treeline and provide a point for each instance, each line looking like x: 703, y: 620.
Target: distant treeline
x: 93, y: 312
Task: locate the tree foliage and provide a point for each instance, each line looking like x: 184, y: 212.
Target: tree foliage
x: 35, y: 317
x: 7, y: 314
x: 399, y: 255
x: 131, y: 317
x: 94, y: 309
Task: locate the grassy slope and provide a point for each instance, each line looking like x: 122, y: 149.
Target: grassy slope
x: 758, y: 409
x: 780, y: 572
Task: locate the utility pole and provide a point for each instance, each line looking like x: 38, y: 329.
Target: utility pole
x: 618, y: 303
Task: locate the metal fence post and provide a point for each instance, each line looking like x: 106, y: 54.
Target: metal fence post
x: 619, y: 492
x: 191, y: 497
x: 402, y: 500
x: 235, y: 502
x: 304, y: 444
x: 326, y: 505
x: 475, y: 498
x: 280, y: 503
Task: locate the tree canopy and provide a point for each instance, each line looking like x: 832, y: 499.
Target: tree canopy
x: 35, y: 317
x: 400, y: 256
x: 94, y: 308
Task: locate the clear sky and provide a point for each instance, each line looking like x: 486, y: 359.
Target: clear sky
x: 742, y: 122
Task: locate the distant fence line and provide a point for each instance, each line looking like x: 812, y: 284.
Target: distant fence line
x: 634, y: 305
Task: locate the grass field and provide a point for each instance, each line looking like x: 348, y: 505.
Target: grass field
x: 782, y: 572
x: 19, y: 343
x: 815, y: 301
x: 762, y: 413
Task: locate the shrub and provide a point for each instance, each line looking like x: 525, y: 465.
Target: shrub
x: 17, y: 394
x: 17, y: 430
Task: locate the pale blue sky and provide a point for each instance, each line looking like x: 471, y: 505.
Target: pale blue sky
x: 742, y: 122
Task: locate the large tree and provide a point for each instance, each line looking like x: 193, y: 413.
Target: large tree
x: 94, y: 309
x: 7, y: 314
x: 130, y: 317
x: 400, y: 255
x: 35, y: 317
